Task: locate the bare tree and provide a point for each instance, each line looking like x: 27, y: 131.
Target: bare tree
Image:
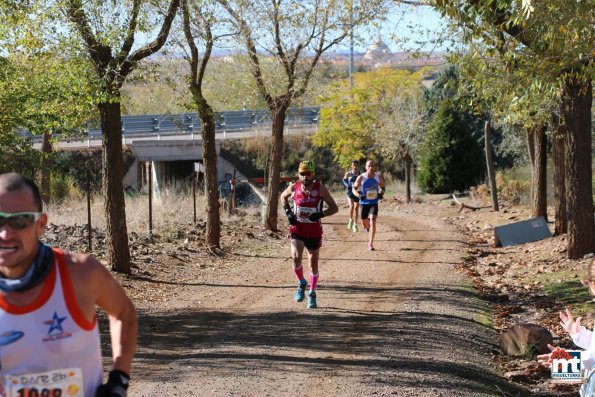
x: 401, y: 123
x: 198, y: 26
x: 112, y: 66
x: 293, y: 35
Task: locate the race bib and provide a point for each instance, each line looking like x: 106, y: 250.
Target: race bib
x: 371, y: 194
x: 56, y: 383
x: 304, y: 212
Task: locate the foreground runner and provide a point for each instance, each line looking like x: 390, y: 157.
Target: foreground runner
x: 353, y: 200
x: 369, y: 186
x: 49, y: 338
x: 306, y: 230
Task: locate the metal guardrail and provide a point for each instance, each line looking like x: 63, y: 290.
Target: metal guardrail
x: 157, y: 125
x: 263, y: 130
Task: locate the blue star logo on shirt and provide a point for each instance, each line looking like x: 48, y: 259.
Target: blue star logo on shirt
x: 55, y: 323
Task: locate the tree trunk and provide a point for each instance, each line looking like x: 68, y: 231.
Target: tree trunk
x: 539, y: 182
x: 490, y: 165
x: 558, y: 148
x: 209, y: 155
x: 408, y: 163
x: 278, y: 112
x: 577, y: 98
x: 530, y: 146
x: 117, y: 251
x: 46, y: 169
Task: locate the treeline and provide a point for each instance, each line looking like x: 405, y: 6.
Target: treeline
x: 524, y: 66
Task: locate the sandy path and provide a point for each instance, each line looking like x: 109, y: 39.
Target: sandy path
x: 397, y: 321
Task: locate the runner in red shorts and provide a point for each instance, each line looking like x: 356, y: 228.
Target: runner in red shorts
x: 308, y: 195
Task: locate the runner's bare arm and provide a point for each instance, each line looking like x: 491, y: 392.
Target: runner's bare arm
x: 356, y: 185
x: 345, y: 179
x: 94, y: 285
x: 329, y: 200
x: 287, y: 193
x: 381, y: 181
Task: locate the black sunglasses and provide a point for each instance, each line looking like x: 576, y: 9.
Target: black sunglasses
x: 19, y: 220
x: 307, y: 173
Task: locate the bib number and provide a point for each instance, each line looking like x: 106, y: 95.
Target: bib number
x: 371, y: 194
x: 57, y: 383
x: 303, y: 213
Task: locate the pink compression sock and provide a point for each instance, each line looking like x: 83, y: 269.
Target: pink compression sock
x: 313, y: 281
x: 299, y: 272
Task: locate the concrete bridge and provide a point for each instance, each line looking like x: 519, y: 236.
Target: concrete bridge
x: 175, y: 150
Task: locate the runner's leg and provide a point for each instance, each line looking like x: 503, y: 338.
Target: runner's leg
x: 372, y: 219
x: 297, y: 249
x: 313, y: 258
x: 355, y: 215
x: 365, y: 212
x: 352, y: 218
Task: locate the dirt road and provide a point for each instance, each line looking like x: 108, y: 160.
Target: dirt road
x: 399, y: 321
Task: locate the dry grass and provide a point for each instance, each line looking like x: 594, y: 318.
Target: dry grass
x: 168, y: 211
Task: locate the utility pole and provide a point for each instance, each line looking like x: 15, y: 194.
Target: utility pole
x: 351, y: 45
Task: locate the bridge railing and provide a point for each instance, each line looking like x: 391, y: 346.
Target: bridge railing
x: 156, y: 126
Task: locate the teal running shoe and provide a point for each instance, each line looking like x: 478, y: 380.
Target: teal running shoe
x: 300, y: 294
x: 350, y: 224
x: 312, y: 300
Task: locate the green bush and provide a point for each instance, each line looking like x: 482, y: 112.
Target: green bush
x: 63, y: 186
x: 250, y: 155
x: 450, y: 158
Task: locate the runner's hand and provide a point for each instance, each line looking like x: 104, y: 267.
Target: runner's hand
x: 290, y: 215
x: 381, y: 195
x: 116, y: 385
x: 544, y: 359
x: 316, y: 216
x: 569, y: 324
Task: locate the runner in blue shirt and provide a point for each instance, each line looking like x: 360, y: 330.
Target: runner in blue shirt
x: 352, y: 200
x: 369, y: 187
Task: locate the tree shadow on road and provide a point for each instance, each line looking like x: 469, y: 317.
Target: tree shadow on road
x: 394, y: 349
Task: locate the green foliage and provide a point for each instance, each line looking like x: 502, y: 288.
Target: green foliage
x: 567, y: 292
x: 63, y: 186
x: 450, y: 158
x: 73, y: 166
x: 45, y: 92
x: 380, y: 114
x: 517, y: 58
x: 449, y: 86
x: 18, y: 154
x: 346, y: 127
x: 251, y: 157
x: 507, y: 140
x: 247, y: 155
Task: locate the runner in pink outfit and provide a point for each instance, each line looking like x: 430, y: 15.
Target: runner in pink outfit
x: 308, y: 195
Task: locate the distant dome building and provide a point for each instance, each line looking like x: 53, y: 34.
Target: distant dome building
x: 377, y: 51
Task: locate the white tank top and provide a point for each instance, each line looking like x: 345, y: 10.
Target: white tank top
x: 49, y: 344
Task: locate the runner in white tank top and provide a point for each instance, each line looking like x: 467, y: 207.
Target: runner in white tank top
x: 49, y: 339
x: 56, y: 338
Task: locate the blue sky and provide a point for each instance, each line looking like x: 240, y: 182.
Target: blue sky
x: 406, y: 28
